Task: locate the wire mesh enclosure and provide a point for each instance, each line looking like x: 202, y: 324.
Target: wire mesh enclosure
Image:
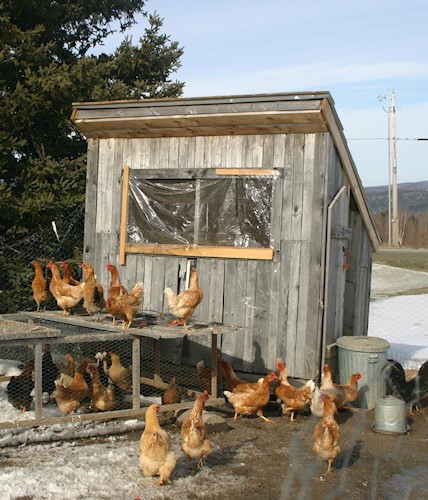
x: 53, y: 372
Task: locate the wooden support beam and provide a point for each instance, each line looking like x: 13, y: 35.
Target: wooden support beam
x: 136, y: 373
x: 214, y: 365
x: 202, y: 251
x: 38, y: 393
x: 124, y: 216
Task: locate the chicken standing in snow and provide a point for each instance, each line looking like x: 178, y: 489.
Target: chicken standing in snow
x: 156, y: 455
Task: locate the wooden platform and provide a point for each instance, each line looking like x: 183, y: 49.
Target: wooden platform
x: 30, y: 333
x: 16, y: 330
x: 145, y: 325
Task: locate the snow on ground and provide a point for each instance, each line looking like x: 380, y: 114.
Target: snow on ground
x: 107, y: 468
x: 403, y: 322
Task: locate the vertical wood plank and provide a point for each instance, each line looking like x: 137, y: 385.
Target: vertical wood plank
x: 235, y: 288
x: 124, y: 219
x: 249, y: 306
x: 90, y: 199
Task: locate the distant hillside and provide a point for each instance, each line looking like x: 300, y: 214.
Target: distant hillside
x: 412, y: 198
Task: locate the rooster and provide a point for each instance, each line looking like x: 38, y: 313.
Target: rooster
x: 156, y: 455
x: 93, y: 292
x: 411, y: 391
x: 293, y: 398
x: 183, y: 305
x: 194, y: 443
x: 41, y: 293
x: 327, y: 433
x: 67, y: 296
x: 252, y: 401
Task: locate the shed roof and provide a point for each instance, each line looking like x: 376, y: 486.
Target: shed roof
x: 301, y: 112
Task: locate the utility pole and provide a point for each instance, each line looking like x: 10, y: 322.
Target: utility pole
x: 394, y: 175
x: 388, y: 111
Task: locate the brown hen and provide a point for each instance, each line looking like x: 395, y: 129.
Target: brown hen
x: 183, y: 305
x: 252, y: 401
x: 327, y: 433
x: 193, y: 441
x: 41, y: 293
x: 66, y: 296
x: 157, y: 457
x: 293, y: 398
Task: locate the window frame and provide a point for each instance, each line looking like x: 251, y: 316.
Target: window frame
x: 192, y: 250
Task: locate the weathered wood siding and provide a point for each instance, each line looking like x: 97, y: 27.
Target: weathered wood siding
x: 358, y: 279
x: 275, y: 302
x: 278, y: 304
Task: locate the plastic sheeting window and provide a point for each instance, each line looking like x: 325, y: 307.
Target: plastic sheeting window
x: 224, y: 211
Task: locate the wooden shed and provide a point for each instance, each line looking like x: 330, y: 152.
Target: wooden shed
x: 260, y: 193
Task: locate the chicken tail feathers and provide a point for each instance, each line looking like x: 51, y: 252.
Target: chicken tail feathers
x: 137, y: 291
x: 311, y: 384
x: 170, y: 296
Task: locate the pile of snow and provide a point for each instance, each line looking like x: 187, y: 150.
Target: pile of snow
x: 403, y: 322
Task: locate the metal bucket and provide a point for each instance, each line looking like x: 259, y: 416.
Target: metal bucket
x: 366, y: 355
x: 390, y: 415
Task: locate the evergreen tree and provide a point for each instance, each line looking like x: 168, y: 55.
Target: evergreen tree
x: 45, y: 65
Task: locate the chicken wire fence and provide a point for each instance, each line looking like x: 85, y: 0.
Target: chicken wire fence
x: 58, y: 242
x: 104, y: 361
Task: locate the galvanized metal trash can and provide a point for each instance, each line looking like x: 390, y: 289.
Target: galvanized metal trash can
x: 366, y: 355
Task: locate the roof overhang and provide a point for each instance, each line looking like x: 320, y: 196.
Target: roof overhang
x: 285, y: 113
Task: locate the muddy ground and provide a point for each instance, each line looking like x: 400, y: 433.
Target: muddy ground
x: 251, y: 459
x: 277, y: 459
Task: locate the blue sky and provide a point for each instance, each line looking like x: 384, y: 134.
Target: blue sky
x: 357, y: 51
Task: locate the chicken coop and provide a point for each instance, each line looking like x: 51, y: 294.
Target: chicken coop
x: 121, y: 373
x: 260, y: 194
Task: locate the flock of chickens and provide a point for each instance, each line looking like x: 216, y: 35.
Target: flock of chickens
x: 101, y: 383
x: 247, y: 398
x: 69, y: 293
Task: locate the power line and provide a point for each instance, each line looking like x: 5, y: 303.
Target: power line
x: 386, y: 139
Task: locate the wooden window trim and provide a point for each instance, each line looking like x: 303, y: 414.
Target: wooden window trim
x: 228, y: 252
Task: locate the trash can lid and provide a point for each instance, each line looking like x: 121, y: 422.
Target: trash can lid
x: 363, y: 343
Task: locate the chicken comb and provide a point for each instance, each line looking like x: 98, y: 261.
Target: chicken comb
x: 280, y: 365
